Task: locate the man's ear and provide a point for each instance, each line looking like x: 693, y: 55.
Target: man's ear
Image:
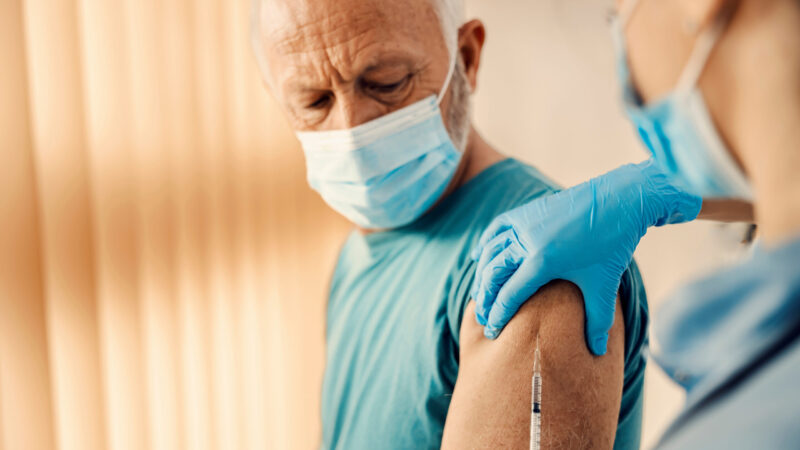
x: 471, y: 37
x: 699, y: 14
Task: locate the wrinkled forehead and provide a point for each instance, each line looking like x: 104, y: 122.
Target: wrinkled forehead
x: 298, y: 32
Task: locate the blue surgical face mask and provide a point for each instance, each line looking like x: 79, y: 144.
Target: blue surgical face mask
x: 678, y: 129
x: 387, y: 172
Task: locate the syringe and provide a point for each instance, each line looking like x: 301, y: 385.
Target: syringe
x: 536, y: 400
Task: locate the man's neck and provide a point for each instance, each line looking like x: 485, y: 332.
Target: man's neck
x: 478, y: 156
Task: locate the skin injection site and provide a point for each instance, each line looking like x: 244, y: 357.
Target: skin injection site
x: 399, y: 224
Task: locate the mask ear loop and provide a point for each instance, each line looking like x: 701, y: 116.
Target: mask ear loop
x: 702, y: 52
x: 450, y: 72
x: 626, y: 11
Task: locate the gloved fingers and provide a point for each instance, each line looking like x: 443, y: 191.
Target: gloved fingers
x: 490, y: 251
x: 497, y: 227
x: 493, y: 276
x: 600, y: 300
x: 525, y: 281
x: 599, y: 319
x: 598, y: 325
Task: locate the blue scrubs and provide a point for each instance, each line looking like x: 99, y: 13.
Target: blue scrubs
x: 733, y: 342
x: 396, y: 304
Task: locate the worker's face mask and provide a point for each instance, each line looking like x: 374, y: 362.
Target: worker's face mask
x: 678, y: 129
x: 387, y: 172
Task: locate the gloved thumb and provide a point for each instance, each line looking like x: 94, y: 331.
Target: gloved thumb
x: 528, y: 279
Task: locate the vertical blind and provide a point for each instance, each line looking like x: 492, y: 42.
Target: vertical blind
x: 163, y: 265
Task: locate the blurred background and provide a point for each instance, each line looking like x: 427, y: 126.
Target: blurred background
x: 163, y: 264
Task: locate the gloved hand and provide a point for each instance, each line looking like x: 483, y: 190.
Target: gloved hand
x: 586, y: 235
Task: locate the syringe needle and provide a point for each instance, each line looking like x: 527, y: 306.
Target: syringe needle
x: 536, y: 400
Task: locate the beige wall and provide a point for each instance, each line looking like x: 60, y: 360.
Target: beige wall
x: 548, y: 95
x: 162, y: 262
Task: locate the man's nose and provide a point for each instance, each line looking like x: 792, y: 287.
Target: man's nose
x: 353, y: 110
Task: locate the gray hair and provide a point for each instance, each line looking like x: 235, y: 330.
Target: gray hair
x: 450, y: 12
x: 459, y: 110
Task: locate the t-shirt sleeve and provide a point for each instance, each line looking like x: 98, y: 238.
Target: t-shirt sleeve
x: 635, y: 311
x: 459, y: 297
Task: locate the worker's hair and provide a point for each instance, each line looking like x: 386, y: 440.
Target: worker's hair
x: 450, y: 12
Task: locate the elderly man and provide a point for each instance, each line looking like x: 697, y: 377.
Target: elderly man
x: 379, y: 93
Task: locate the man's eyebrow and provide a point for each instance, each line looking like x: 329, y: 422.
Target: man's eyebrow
x: 297, y: 81
x: 296, y: 84
x: 393, y: 61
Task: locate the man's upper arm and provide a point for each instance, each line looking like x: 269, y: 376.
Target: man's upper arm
x: 581, y: 393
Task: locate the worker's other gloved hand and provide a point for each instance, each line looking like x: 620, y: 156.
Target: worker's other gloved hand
x: 586, y: 235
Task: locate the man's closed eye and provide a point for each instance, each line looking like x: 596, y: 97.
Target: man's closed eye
x: 387, y: 92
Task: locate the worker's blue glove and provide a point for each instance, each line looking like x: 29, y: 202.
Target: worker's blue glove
x: 586, y: 235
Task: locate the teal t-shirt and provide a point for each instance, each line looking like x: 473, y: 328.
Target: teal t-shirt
x: 394, y: 314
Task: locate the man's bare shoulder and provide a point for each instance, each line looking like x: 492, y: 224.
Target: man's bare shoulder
x: 582, y: 392
x: 559, y: 298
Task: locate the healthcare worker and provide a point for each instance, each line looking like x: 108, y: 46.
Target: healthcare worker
x: 713, y: 88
